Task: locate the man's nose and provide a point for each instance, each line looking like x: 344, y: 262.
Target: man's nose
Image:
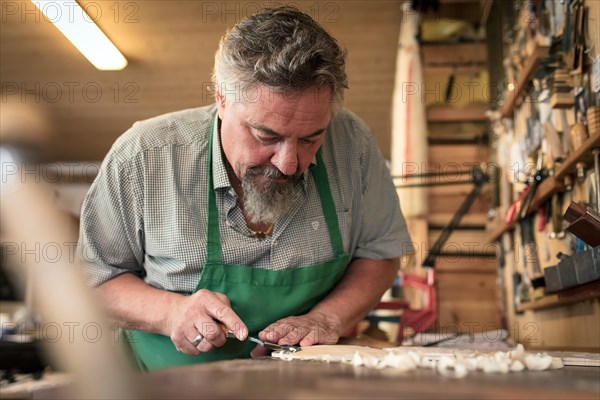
x: 286, y: 158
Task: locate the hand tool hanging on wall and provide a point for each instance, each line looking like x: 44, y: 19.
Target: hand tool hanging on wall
x: 533, y: 182
x: 584, y: 223
x: 478, y: 179
x: 556, y: 216
x: 530, y: 255
x: 565, y: 131
x: 596, y: 153
x: 523, y: 286
x: 542, y: 216
x: 554, y: 142
x: 450, y: 85
x: 576, y: 46
x: 517, y: 288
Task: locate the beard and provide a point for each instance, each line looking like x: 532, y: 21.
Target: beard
x: 266, y: 204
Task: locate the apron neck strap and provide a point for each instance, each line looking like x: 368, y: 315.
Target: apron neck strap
x: 213, y: 236
x: 322, y: 183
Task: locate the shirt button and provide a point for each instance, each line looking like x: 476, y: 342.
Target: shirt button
x: 228, y: 223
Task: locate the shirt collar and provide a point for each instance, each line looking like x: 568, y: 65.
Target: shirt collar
x: 220, y: 177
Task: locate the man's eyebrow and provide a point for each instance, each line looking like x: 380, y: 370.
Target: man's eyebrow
x: 271, y: 132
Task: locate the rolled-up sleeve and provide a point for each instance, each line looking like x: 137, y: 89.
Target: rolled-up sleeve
x: 111, y: 232
x: 383, y: 231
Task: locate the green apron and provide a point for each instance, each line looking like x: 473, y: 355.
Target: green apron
x: 258, y: 296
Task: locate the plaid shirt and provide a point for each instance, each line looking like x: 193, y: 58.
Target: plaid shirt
x: 146, y: 211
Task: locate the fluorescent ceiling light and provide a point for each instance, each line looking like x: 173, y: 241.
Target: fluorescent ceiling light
x: 80, y: 29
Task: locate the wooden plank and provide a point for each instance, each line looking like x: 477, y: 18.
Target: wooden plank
x: 512, y: 96
x: 454, y: 69
x: 467, y: 300
x: 500, y: 230
x: 479, y: 312
x: 582, y: 154
x: 449, y: 54
x: 553, y: 184
x: 455, y: 189
x: 456, y: 129
x: 451, y: 203
x: 464, y: 240
x: 444, y: 218
x: 577, y: 358
x: 466, y: 265
x: 584, y: 292
x: 451, y: 157
x: 466, y: 283
x: 464, y: 139
x: 474, y: 112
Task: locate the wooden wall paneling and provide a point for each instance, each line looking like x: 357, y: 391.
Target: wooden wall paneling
x: 468, y: 301
x: 464, y: 155
x: 454, y: 54
x: 449, y: 203
x: 442, y: 219
x: 474, y: 112
x: 464, y: 241
x: 170, y: 47
x: 456, y: 130
x: 454, y: 264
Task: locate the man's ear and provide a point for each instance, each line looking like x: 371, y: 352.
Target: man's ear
x: 220, y: 100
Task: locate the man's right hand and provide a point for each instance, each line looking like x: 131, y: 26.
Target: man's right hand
x: 136, y: 305
x: 201, y: 313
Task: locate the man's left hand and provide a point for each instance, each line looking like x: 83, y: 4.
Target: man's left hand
x: 305, y: 330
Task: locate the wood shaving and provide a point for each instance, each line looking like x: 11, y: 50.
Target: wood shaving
x: 450, y: 363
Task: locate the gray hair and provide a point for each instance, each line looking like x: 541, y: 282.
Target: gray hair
x: 283, y: 49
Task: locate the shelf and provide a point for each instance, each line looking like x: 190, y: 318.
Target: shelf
x: 553, y: 184
x: 539, y: 52
x: 587, y: 291
x: 500, y: 230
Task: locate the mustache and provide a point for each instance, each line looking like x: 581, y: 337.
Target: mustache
x: 272, y: 173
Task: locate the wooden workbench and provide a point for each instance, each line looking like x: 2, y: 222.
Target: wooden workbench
x: 275, y: 379
x: 268, y: 378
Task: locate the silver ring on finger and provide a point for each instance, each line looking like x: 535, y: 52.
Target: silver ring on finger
x: 197, y: 340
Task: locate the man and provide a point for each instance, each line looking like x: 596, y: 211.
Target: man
x: 270, y: 213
